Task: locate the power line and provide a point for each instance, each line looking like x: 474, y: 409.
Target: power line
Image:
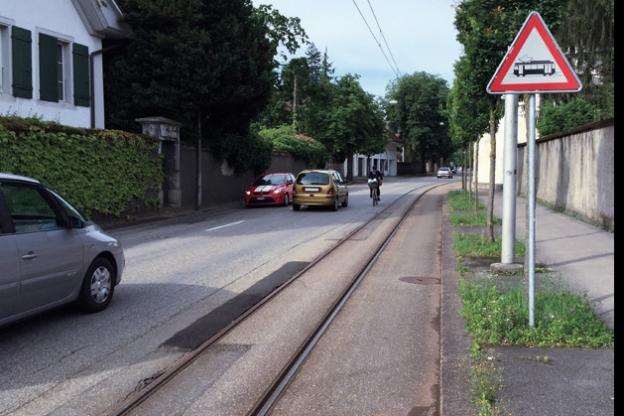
x: 384, y: 37
x: 396, y: 74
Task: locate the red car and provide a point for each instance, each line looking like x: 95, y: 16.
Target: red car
x: 271, y: 189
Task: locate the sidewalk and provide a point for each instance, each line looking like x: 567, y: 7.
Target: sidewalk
x: 581, y: 253
x: 572, y: 381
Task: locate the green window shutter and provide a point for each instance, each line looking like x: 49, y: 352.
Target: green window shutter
x: 82, y: 94
x: 21, y: 62
x: 48, y: 70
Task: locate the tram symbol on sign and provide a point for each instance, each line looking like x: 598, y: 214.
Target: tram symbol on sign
x: 531, y: 67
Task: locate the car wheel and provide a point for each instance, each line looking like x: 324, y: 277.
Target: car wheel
x: 335, y: 206
x: 345, y: 203
x: 286, y: 200
x: 296, y: 207
x: 98, y: 285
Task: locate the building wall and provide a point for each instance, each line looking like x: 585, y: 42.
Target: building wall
x: 60, y: 19
x: 575, y: 173
x: 485, y: 148
x: 388, y: 159
x: 219, y: 183
x: 285, y: 162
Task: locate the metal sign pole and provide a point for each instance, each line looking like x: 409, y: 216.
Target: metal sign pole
x: 509, y: 179
x: 531, y: 209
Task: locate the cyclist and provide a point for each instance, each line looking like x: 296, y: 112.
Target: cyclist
x: 377, y: 175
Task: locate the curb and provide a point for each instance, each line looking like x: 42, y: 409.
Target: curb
x: 454, y: 341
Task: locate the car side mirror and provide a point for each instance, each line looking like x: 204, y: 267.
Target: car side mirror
x: 290, y: 182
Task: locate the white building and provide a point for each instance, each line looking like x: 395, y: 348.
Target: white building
x: 485, y: 145
x: 49, y: 52
x: 386, y: 161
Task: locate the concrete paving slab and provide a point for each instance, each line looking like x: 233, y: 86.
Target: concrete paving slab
x: 568, y: 382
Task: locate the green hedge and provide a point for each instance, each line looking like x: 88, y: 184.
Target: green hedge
x: 285, y: 139
x: 561, y: 118
x: 103, y: 172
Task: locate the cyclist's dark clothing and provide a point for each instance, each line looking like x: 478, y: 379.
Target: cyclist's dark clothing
x: 376, y: 174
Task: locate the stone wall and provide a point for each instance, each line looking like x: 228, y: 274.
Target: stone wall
x: 575, y: 172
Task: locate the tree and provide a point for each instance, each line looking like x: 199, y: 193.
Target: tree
x: 486, y: 28
x: 468, y: 110
x: 206, y: 63
x: 355, y: 124
x: 419, y: 116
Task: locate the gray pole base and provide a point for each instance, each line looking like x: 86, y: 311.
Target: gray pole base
x: 506, y: 267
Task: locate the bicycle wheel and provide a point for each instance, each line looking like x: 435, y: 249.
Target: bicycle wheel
x: 375, y: 197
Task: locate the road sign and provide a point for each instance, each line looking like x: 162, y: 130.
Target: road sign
x: 534, y: 63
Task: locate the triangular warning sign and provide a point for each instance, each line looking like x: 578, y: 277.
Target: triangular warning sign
x: 534, y: 63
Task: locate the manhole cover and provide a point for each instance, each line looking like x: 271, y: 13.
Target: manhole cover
x: 420, y: 280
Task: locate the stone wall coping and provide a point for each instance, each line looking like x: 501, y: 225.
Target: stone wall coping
x: 581, y: 129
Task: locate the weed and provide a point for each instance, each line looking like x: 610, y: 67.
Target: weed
x: 474, y: 245
x: 461, y: 201
x: 500, y: 316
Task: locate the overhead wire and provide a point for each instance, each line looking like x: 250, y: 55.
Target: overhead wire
x: 384, y: 37
x: 394, y: 70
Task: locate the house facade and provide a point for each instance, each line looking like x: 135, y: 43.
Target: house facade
x: 386, y: 162
x: 51, y: 59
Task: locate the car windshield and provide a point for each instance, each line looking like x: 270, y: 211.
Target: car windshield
x: 270, y: 180
x: 313, y: 178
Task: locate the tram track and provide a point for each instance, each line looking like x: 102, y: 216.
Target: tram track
x: 272, y: 394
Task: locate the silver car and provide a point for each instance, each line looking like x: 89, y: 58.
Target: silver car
x: 445, y: 172
x: 50, y: 254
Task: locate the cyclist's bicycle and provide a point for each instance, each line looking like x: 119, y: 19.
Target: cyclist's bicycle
x: 374, y: 186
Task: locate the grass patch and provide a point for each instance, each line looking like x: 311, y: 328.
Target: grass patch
x: 475, y: 245
x: 486, y: 381
x: 500, y: 316
x: 461, y: 201
x: 466, y: 218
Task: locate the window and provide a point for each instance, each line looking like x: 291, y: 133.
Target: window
x: 54, y: 69
x: 28, y: 208
x: 3, y: 59
x: 60, y: 73
x: 76, y: 218
x: 313, y: 178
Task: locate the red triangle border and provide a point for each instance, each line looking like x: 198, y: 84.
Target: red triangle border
x: 534, y: 21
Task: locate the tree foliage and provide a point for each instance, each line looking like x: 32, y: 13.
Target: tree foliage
x: 286, y: 139
x: 420, y: 115
x: 198, y: 61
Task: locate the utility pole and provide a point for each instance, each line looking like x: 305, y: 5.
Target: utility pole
x: 295, y: 105
x: 509, y: 178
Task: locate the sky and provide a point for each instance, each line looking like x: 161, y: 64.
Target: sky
x: 420, y: 33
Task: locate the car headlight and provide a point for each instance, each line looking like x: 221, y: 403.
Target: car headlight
x: 277, y: 191
x: 248, y: 193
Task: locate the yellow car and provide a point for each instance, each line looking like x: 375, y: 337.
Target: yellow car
x: 320, y: 188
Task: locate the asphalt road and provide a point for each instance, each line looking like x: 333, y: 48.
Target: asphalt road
x: 177, y: 273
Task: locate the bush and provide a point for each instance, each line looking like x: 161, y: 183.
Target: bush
x: 560, y: 118
x: 99, y: 171
x: 285, y: 139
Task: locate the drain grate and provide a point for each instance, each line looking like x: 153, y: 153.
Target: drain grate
x: 420, y: 280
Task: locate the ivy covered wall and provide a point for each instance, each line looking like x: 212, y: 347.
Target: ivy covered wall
x: 101, y: 172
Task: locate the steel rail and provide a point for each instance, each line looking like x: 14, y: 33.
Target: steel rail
x: 134, y: 400
x: 280, y: 384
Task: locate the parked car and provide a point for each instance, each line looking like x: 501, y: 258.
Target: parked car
x: 320, y: 188
x: 50, y: 254
x: 445, y: 172
x: 271, y: 189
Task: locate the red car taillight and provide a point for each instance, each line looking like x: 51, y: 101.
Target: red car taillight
x: 331, y: 191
